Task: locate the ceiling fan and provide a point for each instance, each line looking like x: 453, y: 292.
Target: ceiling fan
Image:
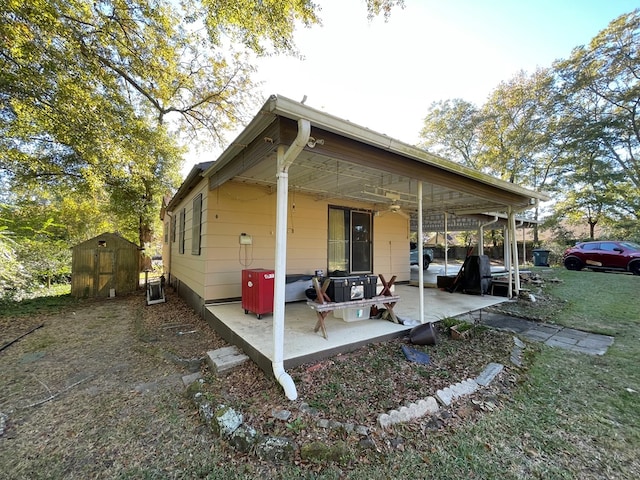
x: 394, y: 207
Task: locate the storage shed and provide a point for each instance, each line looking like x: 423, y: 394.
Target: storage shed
x: 105, y: 265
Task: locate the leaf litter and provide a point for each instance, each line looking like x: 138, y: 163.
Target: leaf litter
x: 103, y: 396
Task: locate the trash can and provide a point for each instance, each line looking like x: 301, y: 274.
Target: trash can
x: 540, y: 257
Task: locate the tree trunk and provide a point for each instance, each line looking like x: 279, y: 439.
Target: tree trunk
x: 592, y: 229
x: 145, y: 230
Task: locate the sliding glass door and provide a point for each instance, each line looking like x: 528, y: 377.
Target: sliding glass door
x: 350, y: 241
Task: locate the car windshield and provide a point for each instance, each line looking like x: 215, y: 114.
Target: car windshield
x: 630, y: 245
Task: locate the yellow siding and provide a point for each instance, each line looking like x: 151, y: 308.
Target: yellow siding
x: 236, y: 208
x: 187, y: 267
x: 391, y: 246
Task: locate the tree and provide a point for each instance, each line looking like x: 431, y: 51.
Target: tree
x: 515, y: 133
x: 510, y: 137
x: 591, y: 196
x: 87, y: 88
x: 451, y: 129
x: 97, y: 99
x: 12, y: 275
x: 601, y: 88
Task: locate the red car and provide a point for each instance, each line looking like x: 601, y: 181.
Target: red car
x: 620, y: 256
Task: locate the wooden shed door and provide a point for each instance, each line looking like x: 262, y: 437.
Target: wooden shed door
x: 105, y: 272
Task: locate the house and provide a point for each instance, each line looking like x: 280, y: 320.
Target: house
x: 299, y: 191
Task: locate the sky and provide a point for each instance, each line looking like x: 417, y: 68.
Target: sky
x: 384, y: 75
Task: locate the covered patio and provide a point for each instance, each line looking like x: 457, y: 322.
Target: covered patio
x: 302, y: 345
x: 300, y: 191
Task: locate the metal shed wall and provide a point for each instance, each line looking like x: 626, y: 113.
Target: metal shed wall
x: 102, y: 263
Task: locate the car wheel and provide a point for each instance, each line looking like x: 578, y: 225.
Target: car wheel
x: 635, y: 268
x: 425, y: 263
x: 573, y: 263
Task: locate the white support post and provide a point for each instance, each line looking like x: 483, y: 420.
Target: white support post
x: 446, y: 243
x: 420, y: 254
x: 516, y: 263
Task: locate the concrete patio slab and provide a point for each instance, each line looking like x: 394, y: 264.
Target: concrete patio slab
x: 302, y: 345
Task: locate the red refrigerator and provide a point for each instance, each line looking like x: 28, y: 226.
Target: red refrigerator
x: 257, y: 291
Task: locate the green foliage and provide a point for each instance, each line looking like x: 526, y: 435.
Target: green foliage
x: 515, y: 130
x: 251, y: 23
x: 451, y: 129
x: 297, y: 425
x: 48, y: 261
x: 12, y: 276
x: 627, y: 229
x: 448, y: 322
x: 44, y: 226
x: 86, y: 90
x: 98, y: 100
x: 600, y: 87
x: 570, y: 129
x: 376, y: 7
x: 39, y: 301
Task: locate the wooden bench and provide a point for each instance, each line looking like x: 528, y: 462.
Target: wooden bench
x: 323, y: 305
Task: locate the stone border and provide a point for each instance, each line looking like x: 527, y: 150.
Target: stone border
x: 227, y: 423
x: 429, y: 406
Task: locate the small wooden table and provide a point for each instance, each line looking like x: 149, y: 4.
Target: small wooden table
x: 323, y: 305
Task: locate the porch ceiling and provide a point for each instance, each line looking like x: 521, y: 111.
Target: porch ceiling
x: 328, y: 178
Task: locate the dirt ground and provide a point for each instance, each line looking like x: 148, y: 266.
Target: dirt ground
x: 97, y: 391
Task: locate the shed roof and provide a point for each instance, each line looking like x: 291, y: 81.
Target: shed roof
x: 343, y: 160
x: 91, y: 242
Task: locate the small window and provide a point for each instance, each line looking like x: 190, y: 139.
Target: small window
x: 196, y: 226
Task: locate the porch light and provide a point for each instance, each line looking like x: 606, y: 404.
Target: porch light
x: 313, y: 141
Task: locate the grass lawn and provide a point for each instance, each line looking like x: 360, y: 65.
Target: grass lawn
x: 569, y: 416
x: 575, y: 416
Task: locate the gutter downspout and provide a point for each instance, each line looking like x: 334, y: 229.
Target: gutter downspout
x: 481, y: 233
x: 285, y: 159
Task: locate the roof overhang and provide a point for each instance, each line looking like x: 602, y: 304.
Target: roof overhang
x: 348, y: 162
x: 193, y: 178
